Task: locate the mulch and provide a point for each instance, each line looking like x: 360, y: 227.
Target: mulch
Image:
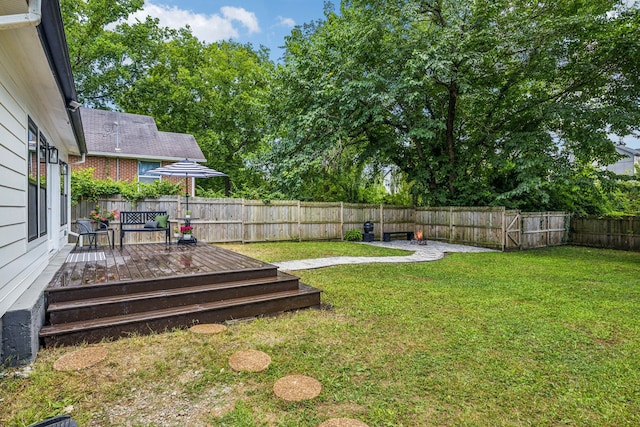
x: 80, y: 359
x: 342, y: 422
x: 208, y: 328
x: 294, y: 388
x: 249, y: 361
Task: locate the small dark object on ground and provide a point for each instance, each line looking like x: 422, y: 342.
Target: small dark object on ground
x: 59, y: 421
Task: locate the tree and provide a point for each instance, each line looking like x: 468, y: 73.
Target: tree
x: 217, y: 92
x: 476, y: 102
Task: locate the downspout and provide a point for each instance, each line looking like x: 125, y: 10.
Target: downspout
x: 81, y: 161
x: 30, y: 19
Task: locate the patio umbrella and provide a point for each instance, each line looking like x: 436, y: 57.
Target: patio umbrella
x: 188, y: 169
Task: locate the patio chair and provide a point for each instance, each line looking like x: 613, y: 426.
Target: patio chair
x: 108, y: 231
x: 86, y: 229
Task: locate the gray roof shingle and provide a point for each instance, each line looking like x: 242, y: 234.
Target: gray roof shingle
x: 137, y: 137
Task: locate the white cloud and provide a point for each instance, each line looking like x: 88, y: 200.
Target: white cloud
x: 286, y: 22
x: 246, y: 18
x: 208, y: 28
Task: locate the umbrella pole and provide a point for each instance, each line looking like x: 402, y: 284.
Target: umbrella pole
x: 186, y: 190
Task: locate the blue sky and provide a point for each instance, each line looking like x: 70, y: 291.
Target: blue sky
x: 259, y: 22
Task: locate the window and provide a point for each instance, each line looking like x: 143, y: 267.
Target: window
x: 64, y: 192
x: 143, y: 168
x: 37, y: 191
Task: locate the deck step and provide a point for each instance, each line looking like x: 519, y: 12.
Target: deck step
x: 180, y: 317
x: 126, y: 287
x: 116, y: 305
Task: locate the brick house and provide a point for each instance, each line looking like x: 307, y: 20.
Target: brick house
x: 124, y: 146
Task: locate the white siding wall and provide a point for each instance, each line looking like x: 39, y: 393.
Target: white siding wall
x: 20, y: 262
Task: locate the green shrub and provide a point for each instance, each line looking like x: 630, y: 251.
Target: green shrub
x: 353, y: 235
x: 85, y: 187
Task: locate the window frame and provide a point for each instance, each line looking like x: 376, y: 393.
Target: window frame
x: 148, y: 177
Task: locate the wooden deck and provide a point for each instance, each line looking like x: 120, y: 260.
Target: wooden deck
x: 148, y: 261
x: 109, y: 293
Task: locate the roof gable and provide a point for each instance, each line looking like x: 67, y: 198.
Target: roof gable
x: 116, y: 134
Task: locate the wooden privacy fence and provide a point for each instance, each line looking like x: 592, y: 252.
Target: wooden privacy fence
x: 239, y: 220
x: 611, y: 233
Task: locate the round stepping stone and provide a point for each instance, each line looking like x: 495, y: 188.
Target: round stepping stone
x: 80, y: 359
x: 294, y: 388
x: 249, y: 360
x: 342, y: 422
x: 208, y: 328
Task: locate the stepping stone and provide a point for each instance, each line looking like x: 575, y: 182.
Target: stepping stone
x: 342, y: 422
x: 294, y: 388
x: 80, y: 359
x: 250, y: 361
x: 208, y: 328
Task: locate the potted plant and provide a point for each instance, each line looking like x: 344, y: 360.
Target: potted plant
x: 103, y: 217
x: 187, y: 214
x: 186, y: 231
x: 176, y: 232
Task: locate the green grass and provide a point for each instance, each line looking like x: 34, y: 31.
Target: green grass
x: 546, y: 337
x: 286, y: 251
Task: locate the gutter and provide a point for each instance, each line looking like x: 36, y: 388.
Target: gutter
x: 51, y: 32
x: 30, y: 19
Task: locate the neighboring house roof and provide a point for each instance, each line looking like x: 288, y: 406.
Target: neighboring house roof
x: 116, y: 134
x: 623, y: 149
x: 625, y: 165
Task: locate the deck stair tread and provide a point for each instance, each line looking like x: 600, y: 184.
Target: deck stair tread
x: 162, y: 293
x: 194, y: 309
x: 60, y: 294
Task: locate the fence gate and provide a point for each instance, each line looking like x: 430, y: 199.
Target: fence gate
x: 512, y: 230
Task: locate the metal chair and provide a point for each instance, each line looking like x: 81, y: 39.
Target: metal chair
x: 86, y: 229
x: 105, y: 229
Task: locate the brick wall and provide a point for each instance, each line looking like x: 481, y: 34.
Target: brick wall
x: 119, y: 169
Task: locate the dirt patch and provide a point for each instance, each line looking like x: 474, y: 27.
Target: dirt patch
x: 169, y: 408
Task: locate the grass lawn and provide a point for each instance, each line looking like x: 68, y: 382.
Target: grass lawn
x: 287, y: 251
x: 544, y: 337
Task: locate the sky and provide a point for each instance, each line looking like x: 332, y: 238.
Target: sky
x: 259, y: 22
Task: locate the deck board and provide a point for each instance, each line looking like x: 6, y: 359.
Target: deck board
x: 147, y: 261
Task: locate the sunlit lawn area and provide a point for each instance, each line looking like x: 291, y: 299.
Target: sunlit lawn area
x: 286, y: 251
x: 545, y: 337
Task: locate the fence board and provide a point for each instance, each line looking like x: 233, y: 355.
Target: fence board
x: 239, y: 220
x: 612, y: 233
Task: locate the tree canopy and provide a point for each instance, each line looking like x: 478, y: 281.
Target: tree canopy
x: 217, y: 92
x: 499, y: 103
x: 508, y: 102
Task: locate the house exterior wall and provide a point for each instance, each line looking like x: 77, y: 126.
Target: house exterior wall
x: 626, y: 165
x: 119, y: 169
x: 28, y: 91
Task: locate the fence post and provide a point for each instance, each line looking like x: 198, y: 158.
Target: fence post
x: 381, y: 221
x: 242, y: 226
x: 504, y: 228
x: 451, y: 239
x: 341, y: 221
x: 299, y: 222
